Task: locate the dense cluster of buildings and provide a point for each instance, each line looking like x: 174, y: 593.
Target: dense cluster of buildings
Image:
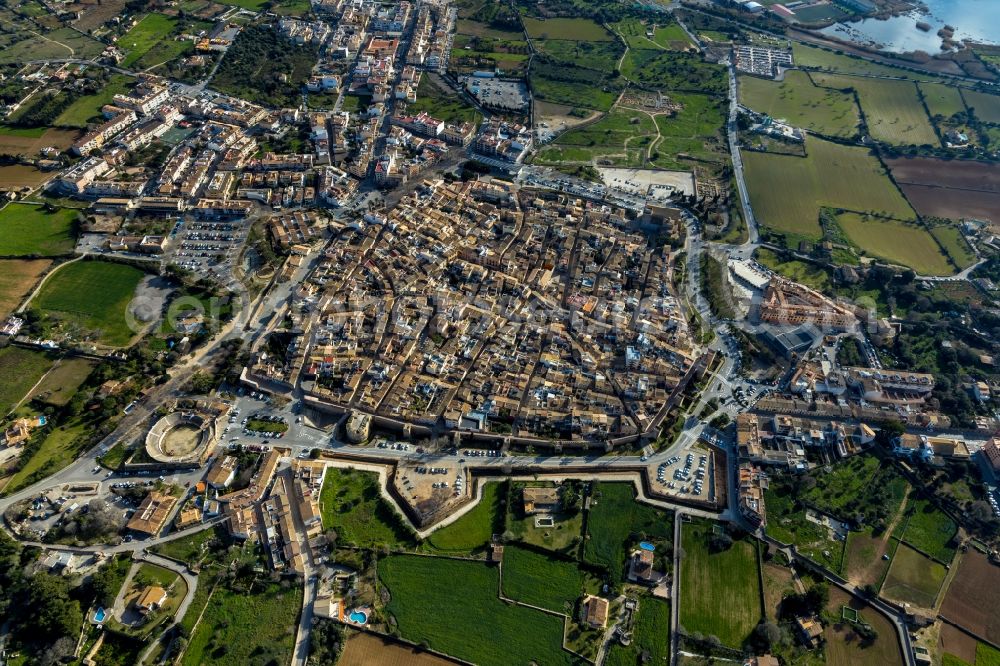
x: 513, y: 311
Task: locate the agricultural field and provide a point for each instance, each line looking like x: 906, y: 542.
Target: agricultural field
x: 59, y: 43
x: 844, y: 647
x: 955, y: 245
x: 892, y: 109
x: 830, y: 175
x: 473, y: 531
x: 441, y: 103
x: 985, y: 106
x: 972, y: 601
x: 863, y: 557
x: 363, y: 649
x: 541, y: 580
x: 952, y: 189
x: 352, y: 506
x: 479, y: 29
x: 623, y: 137
x: 981, y: 654
x: 942, y: 100
x: 88, y: 108
x: 720, y: 591
x: 617, y: 519
x: 566, y: 28
x: 908, y: 244
x: 454, y: 607
x: 813, y: 57
x: 16, y: 176
x: 913, y: 578
x: 930, y: 530
x: 799, y: 102
x: 241, y: 628
x: 634, y: 32
x: 32, y: 231
x: 63, y: 380
x: 30, y: 140
x: 20, y: 369
x: 650, y: 635
x: 144, y: 35
x: 92, y: 297
x: 17, y: 277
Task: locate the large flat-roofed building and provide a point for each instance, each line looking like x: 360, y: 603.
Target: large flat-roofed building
x: 152, y: 514
x: 991, y: 451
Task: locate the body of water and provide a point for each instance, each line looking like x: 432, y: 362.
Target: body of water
x: 975, y: 20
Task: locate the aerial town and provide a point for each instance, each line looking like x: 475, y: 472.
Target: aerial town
x: 444, y: 332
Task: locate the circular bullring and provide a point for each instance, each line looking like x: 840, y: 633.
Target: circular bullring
x: 179, y: 437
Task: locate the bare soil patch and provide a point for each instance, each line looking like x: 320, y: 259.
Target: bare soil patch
x: 972, y: 600
x: 367, y: 650
x: 949, y: 188
x: 957, y: 642
x: 17, y: 277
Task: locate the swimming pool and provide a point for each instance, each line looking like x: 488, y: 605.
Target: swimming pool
x: 645, y: 545
x: 100, y: 615
x: 358, y: 617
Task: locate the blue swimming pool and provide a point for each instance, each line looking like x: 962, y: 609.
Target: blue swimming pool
x: 358, y: 617
x: 645, y: 545
x: 100, y: 615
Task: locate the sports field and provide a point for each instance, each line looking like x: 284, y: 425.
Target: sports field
x: 144, y: 35
x: 91, y: 297
x: 787, y: 192
x: 28, y: 230
x: 801, y: 103
x: 454, y: 606
x: 17, y: 277
x: 892, y: 109
x: 720, y: 592
x: 913, y: 578
x: 897, y: 242
x: 567, y: 28
x: 942, y: 100
x: 986, y: 106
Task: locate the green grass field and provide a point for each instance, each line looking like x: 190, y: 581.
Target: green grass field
x: 541, y: 580
x: 93, y: 296
x: 454, y: 606
x: 27, y: 230
x: 985, y: 106
x: 673, y: 71
x: 62, y: 382
x: 602, y: 56
x: 441, y: 104
x: 831, y: 175
x: 930, y: 530
x: 720, y: 592
x: 650, y: 635
x: 240, y: 628
x: 897, y: 242
x: 942, y: 100
x: 573, y: 93
x: 801, y: 103
x: 144, y: 35
x: 353, y: 507
x: 88, y: 108
x: 23, y: 132
x: 800, y: 271
x: 20, y: 369
x: 473, y: 530
x: 671, y: 36
x: 892, y: 109
x: 913, y: 578
x: 615, y: 519
x: 566, y: 28
x: 59, y: 448
x: 693, y: 133
x: 955, y: 245
x: 622, y: 136
x: 812, y: 57
x: 986, y: 655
